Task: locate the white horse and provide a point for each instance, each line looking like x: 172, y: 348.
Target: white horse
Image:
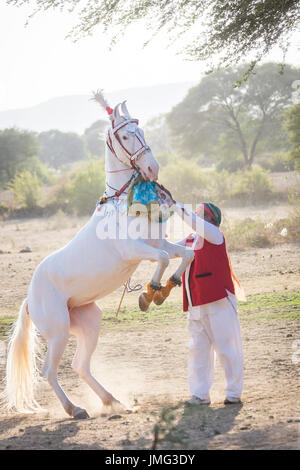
x: 62, y: 293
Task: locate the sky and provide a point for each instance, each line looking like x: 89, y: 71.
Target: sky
x: 38, y: 62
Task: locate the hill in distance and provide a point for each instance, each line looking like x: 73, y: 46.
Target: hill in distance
x: 76, y: 113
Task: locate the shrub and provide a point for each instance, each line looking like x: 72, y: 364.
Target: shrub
x: 220, y: 186
x: 187, y: 181
x: 231, y: 164
x: 80, y: 189
x: 242, y: 235
x: 252, y: 186
x: 4, y: 210
x: 280, y: 161
x: 34, y: 165
x: 26, y: 189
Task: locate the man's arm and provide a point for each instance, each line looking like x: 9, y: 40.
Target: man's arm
x: 203, y: 228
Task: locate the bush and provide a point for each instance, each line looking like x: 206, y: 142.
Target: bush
x: 4, y: 210
x: 80, y: 189
x: 190, y: 183
x: 280, y: 161
x: 26, y: 189
x: 187, y: 181
x: 252, y: 186
x: 232, y: 164
x: 220, y: 186
x: 241, y: 235
x: 34, y: 165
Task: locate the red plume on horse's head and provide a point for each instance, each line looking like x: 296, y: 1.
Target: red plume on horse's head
x: 109, y: 110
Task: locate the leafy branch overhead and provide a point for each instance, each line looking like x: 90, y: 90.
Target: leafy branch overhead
x: 219, y: 30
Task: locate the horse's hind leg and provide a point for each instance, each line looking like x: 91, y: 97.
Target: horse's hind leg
x: 56, y: 347
x: 85, y: 325
x: 54, y: 325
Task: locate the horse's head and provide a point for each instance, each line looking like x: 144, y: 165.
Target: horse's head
x: 128, y: 143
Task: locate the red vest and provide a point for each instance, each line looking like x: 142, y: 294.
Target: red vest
x: 209, y: 274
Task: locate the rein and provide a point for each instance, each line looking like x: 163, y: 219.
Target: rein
x: 119, y: 192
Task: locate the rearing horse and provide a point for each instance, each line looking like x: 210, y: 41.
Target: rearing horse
x: 62, y: 295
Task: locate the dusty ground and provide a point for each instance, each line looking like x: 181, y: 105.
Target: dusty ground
x: 144, y: 365
x: 260, y: 270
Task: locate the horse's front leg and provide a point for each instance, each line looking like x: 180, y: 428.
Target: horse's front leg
x: 143, y: 251
x: 174, y: 251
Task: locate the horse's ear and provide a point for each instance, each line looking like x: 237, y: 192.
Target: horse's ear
x: 125, y: 110
x: 116, y: 113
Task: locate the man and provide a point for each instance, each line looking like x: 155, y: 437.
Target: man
x: 209, y: 288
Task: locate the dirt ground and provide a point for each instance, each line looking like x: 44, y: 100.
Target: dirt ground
x: 145, y: 366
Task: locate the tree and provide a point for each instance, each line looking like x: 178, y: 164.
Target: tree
x: 95, y: 139
x: 218, y: 118
x: 59, y: 148
x: 227, y: 29
x: 292, y: 122
x: 16, y: 147
x: 157, y: 134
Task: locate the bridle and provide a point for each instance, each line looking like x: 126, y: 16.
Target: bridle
x: 132, y: 157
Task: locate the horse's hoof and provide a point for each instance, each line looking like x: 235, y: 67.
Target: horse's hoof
x: 115, y: 406
x: 158, y: 299
x: 80, y: 413
x: 143, y: 303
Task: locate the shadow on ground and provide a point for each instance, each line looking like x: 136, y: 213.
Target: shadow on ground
x: 41, y: 437
x: 188, y: 426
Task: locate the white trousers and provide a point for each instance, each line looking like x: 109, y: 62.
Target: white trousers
x: 214, y: 329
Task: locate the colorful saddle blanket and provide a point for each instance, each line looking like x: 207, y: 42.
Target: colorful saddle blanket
x: 144, y: 199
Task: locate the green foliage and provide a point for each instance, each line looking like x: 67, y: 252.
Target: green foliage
x: 220, y: 186
x: 17, y: 148
x: 80, y: 189
x: 252, y: 186
x: 292, y: 223
x: 230, y: 162
x: 59, y: 148
x: 187, y: 180
x: 26, y: 189
x: 223, y: 122
x: 190, y: 183
x: 95, y: 139
x: 277, y: 162
x: 34, y: 165
x: 3, y: 210
x: 157, y: 134
x: 213, y: 28
x: 292, y: 119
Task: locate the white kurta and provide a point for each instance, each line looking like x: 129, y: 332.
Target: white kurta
x: 214, y: 330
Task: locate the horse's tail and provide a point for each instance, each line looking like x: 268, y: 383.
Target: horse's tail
x: 21, y: 370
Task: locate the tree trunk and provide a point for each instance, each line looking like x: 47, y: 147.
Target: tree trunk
x: 242, y: 140
x: 255, y: 141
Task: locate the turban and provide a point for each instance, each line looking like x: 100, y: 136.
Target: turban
x: 213, y: 211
